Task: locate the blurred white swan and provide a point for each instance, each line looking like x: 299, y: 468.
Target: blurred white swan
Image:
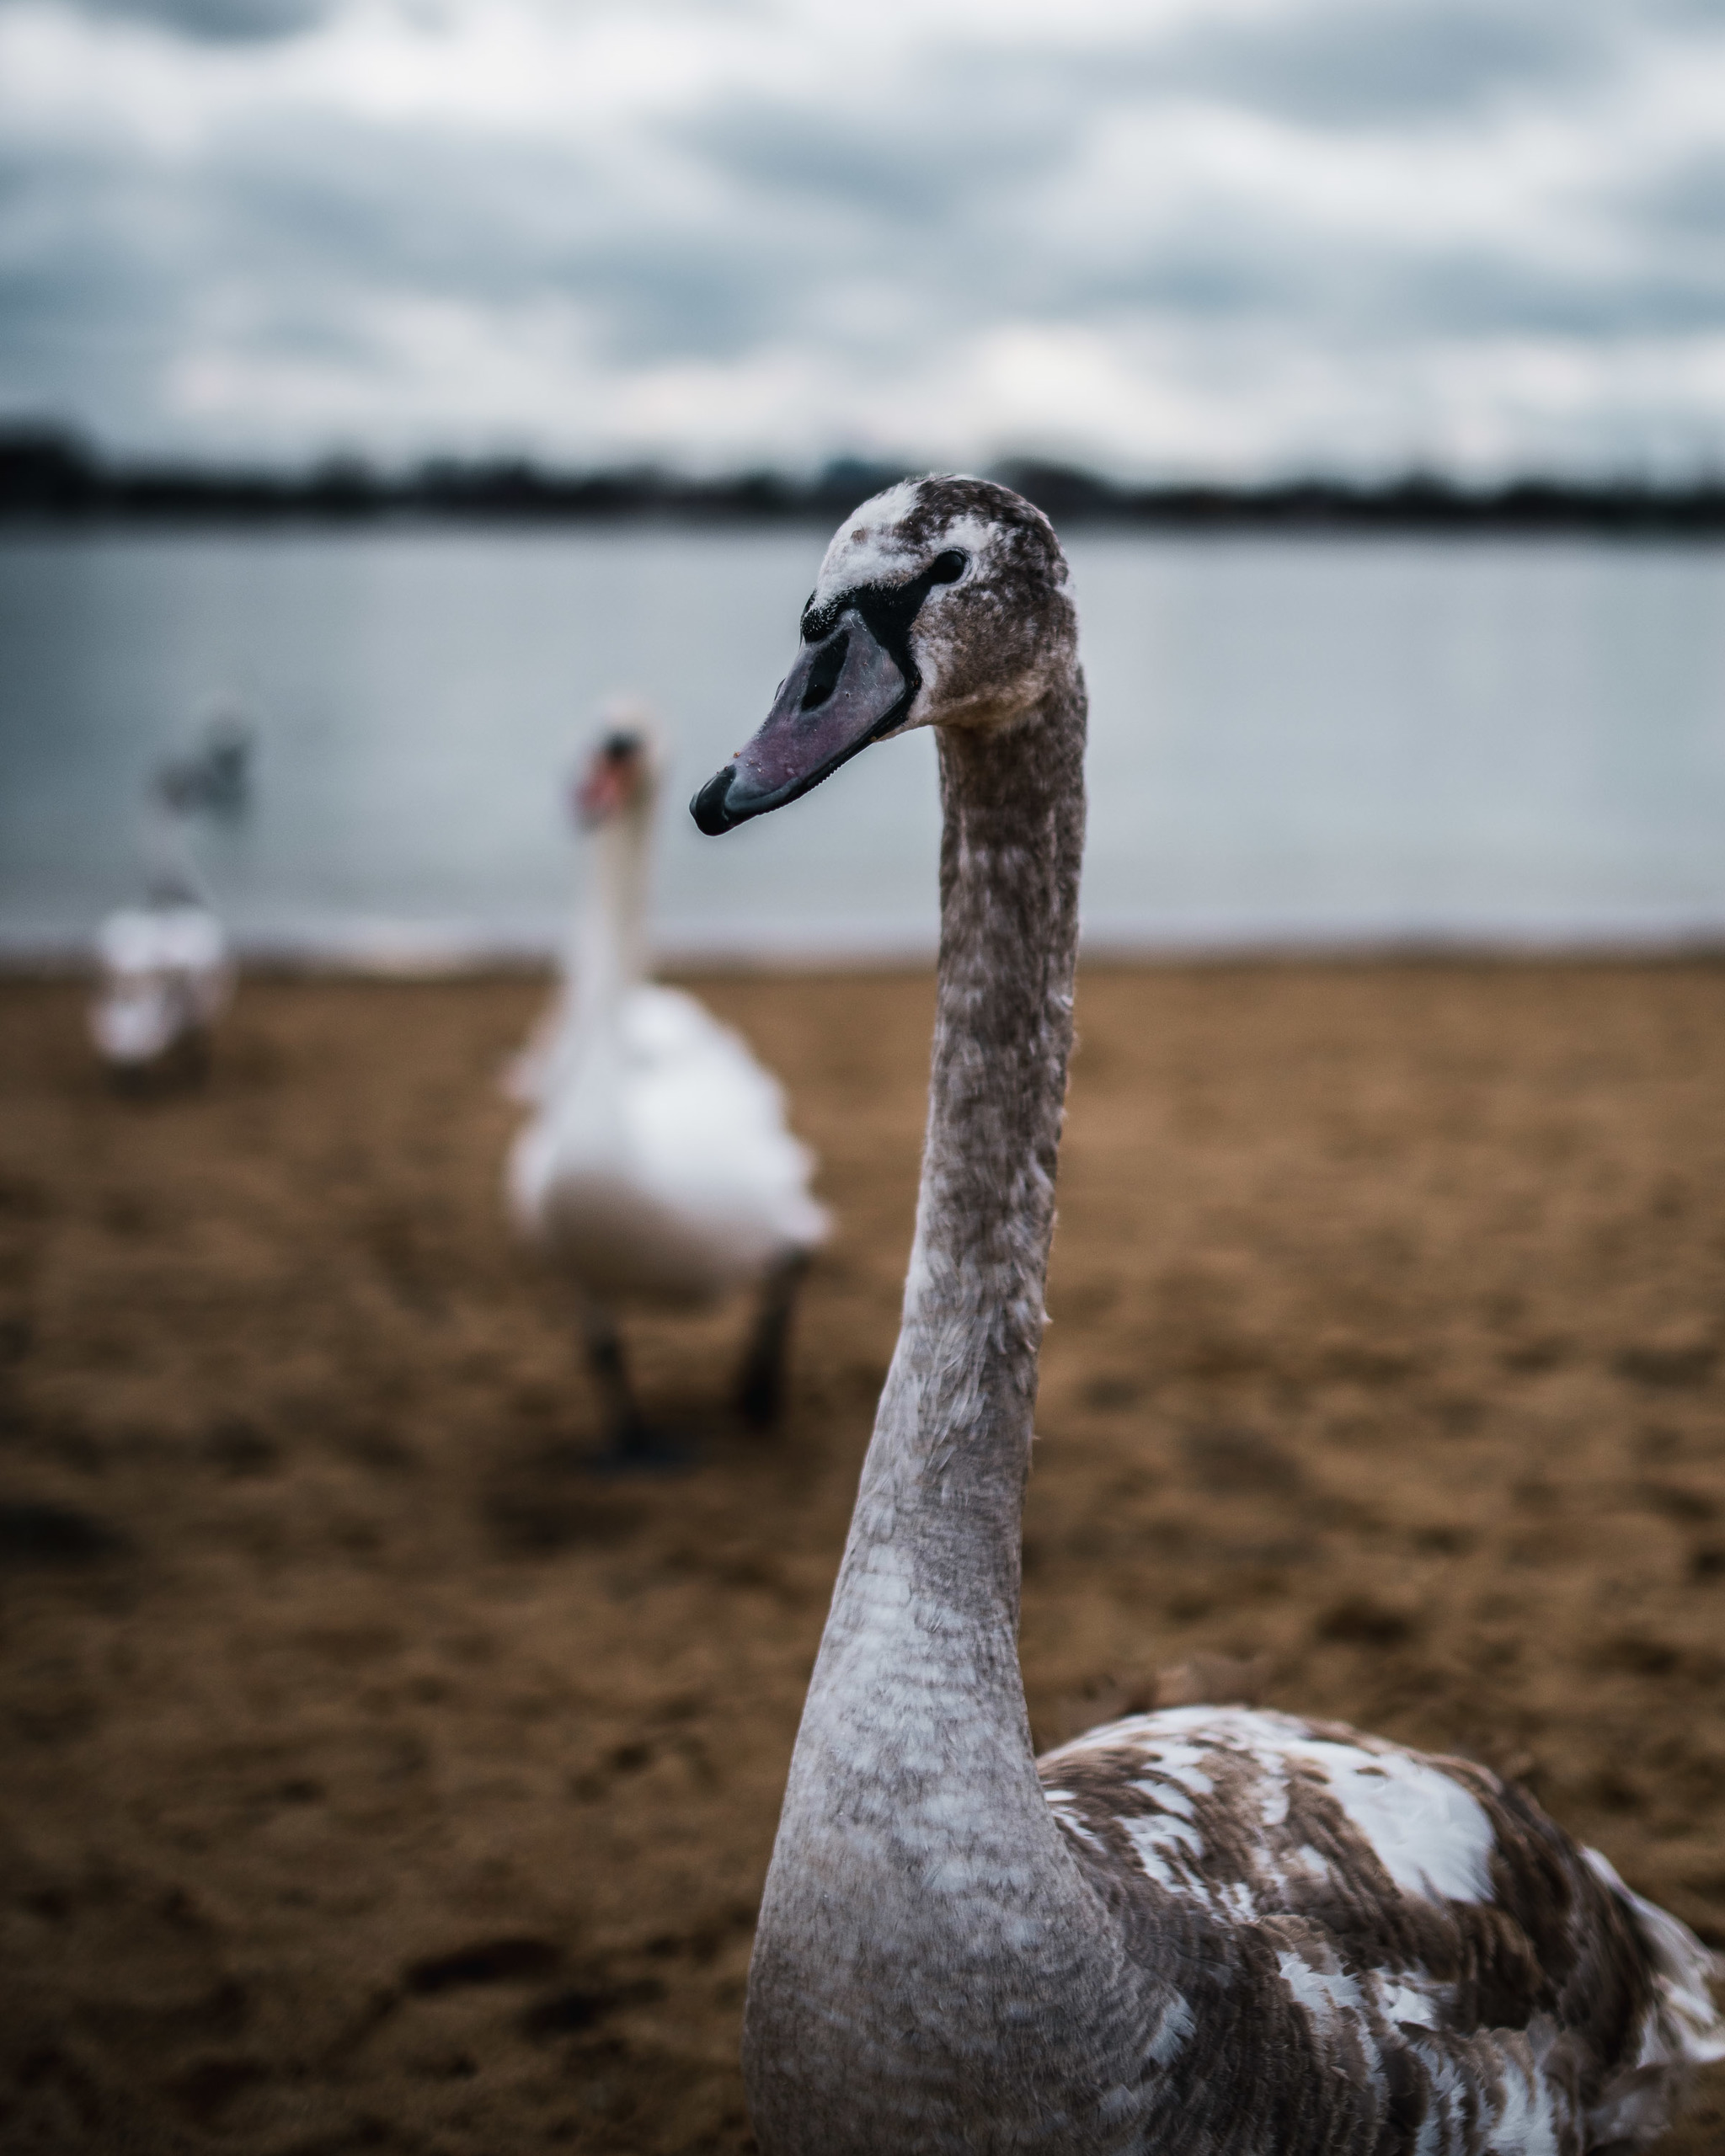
x: 165, y: 972
x: 657, y: 1166
x: 165, y: 978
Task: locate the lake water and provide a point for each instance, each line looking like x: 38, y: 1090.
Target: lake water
x: 1293, y: 741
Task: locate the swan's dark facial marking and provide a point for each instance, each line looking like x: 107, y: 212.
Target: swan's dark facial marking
x: 890, y: 610
x: 824, y: 674
x: 1016, y: 629
x: 854, y: 680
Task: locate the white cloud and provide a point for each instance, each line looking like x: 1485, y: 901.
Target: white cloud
x: 1241, y: 237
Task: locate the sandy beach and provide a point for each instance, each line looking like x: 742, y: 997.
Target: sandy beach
x: 371, y: 1778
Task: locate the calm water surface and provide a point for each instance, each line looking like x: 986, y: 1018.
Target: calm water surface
x: 1291, y: 740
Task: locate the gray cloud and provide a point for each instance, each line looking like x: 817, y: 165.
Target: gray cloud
x: 873, y: 232
x: 494, y: 224
x: 966, y: 127
x: 1369, y: 63
x: 1687, y: 201
x: 942, y: 205
x: 88, y: 303
x: 219, y: 22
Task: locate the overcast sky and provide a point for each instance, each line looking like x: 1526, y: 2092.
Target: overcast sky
x: 1230, y: 236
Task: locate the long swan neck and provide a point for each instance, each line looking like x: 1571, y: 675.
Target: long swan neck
x: 957, y: 1413
x: 611, y: 931
x: 914, y: 1762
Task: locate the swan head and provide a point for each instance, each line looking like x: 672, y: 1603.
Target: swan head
x: 941, y: 602
x: 620, y: 778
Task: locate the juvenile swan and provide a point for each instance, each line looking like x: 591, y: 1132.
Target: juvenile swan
x: 1202, y: 1930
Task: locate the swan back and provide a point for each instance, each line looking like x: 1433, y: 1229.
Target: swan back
x: 660, y: 1164
x: 1433, y: 1947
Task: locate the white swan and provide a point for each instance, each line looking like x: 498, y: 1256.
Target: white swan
x: 1202, y: 1930
x: 164, y: 971
x: 657, y: 1166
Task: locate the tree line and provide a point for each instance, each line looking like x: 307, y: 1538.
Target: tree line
x: 48, y: 474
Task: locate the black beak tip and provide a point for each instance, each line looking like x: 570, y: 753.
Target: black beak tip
x: 708, y: 807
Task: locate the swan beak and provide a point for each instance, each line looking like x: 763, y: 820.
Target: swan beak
x: 842, y: 693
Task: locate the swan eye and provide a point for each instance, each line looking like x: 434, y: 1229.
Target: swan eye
x: 947, y: 568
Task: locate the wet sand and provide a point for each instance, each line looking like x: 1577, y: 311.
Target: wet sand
x: 372, y: 1778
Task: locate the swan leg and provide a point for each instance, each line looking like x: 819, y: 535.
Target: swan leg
x: 630, y: 1442
x: 760, y: 1385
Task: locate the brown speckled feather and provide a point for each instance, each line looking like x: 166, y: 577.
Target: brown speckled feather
x: 1447, y: 1951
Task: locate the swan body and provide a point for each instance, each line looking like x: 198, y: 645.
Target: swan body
x: 164, y: 969
x: 657, y: 1166
x: 1202, y: 1932
x: 165, y: 976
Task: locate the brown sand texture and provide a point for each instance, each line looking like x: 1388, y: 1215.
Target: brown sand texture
x: 374, y: 1779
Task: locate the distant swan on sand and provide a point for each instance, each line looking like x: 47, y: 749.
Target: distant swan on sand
x: 1202, y: 1932
x: 657, y: 1166
x: 164, y: 970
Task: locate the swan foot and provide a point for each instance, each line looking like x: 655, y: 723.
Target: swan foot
x: 636, y: 1448
x: 632, y: 1446
x: 760, y: 1383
